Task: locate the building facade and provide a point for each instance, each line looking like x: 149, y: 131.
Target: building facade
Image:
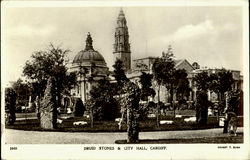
x: 145, y: 65
x: 90, y: 67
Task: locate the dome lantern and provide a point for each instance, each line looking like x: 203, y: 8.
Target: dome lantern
x: 89, y: 55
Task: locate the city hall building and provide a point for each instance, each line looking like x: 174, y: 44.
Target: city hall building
x: 91, y: 66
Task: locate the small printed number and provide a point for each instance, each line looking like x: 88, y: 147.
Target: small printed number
x: 13, y: 148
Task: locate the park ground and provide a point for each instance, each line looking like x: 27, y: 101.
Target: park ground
x: 29, y: 122
x: 26, y: 130
x: 179, y: 137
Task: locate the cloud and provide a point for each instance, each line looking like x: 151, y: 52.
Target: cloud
x: 205, y: 34
x: 193, y: 32
x: 28, y: 30
x: 190, y: 31
x: 208, y: 43
x: 187, y: 32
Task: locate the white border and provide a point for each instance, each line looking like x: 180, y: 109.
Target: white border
x: 174, y: 151
x: 124, y: 3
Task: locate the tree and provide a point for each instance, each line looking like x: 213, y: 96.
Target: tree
x: 163, y: 70
x: 22, y: 90
x: 225, y: 81
x: 234, y: 102
x: 221, y: 82
x: 50, y: 63
x: 121, y: 79
x: 181, y: 85
x: 119, y: 74
x: 102, y: 104
x: 146, y: 91
x: 146, y: 84
x: 158, y: 66
x: 203, y: 82
x: 102, y: 95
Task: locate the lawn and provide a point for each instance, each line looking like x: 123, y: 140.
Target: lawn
x: 148, y: 124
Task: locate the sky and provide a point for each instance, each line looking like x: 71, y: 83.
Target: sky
x: 209, y: 35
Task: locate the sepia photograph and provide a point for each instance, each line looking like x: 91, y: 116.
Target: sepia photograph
x: 116, y: 77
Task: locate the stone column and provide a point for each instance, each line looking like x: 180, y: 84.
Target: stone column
x: 194, y: 97
x: 209, y: 95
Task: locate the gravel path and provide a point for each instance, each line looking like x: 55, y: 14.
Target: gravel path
x: 37, y: 137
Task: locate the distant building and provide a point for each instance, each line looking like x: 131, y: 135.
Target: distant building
x: 237, y: 85
x: 90, y: 67
x: 145, y: 65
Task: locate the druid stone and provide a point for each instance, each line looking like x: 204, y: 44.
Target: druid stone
x: 131, y: 102
x: 201, y: 108
x: 11, y: 103
x: 48, y: 107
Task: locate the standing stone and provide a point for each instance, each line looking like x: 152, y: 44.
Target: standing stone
x: 11, y: 103
x: 131, y: 102
x: 201, y: 107
x: 48, y: 107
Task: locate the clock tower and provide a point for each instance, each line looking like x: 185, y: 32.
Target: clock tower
x: 121, y: 45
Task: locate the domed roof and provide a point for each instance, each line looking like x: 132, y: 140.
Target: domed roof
x: 89, y: 54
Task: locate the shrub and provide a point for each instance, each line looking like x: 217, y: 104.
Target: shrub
x: 18, y: 109
x: 110, y: 110
x: 79, y: 108
x: 105, y: 110
x: 182, y: 101
x: 151, y: 106
x: 182, y: 104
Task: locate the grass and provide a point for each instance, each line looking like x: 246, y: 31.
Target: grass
x: 217, y: 140
x: 23, y: 115
x: 148, y: 124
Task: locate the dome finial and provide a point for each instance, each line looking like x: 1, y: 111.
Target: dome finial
x: 121, y: 12
x: 89, y: 42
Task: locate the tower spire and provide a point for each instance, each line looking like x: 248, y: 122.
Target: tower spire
x: 121, y: 45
